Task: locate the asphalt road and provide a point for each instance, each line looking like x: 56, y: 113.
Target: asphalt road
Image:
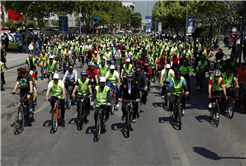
x: 154, y: 140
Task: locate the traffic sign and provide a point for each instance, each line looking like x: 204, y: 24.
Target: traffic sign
x: 63, y: 20
x: 147, y: 17
x: 159, y: 27
x: 96, y: 17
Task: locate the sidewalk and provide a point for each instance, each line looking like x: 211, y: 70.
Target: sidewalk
x: 15, y: 59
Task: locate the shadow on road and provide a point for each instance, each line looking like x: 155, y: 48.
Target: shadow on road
x: 47, y: 123
x: 120, y: 127
x: 171, y: 121
x: 212, y: 155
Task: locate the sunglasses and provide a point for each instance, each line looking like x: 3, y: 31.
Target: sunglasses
x: 70, y: 68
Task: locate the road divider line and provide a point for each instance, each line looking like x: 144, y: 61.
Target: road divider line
x: 17, y: 58
x: 44, y: 105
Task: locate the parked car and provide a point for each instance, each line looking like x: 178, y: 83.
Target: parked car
x: 7, y: 34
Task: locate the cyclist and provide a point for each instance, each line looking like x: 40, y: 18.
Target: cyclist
x: 74, y: 53
x: 25, y: 81
x: 43, y: 58
x: 208, y: 55
x: 201, y: 69
x: 83, y: 85
x: 166, y: 75
x: 241, y: 73
x: 66, y: 63
x: 92, y: 74
x: 229, y: 77
x: 142, y: 60
x: 101, y: 95
x: 182, y: 60
x: 30, y: 61
x: 81, y: 53
x: 70, y: 77
x: 135, y: 57
x: 102, y: 69
x: 126, y: 69
x: 89, y: 55
x: 51, y: 65
x: 113, y: 80
x: 152, y: 62
x: 175, y: 61
x: 31, y: 73
x: 177, y: 85
x: 2, y: 73
x: 129, y: 91
x: 227, y: 64
x: 122, y: 59
x: 216, y: 86
x: 95, y: 59
x: 140, y: 79
x: 160, y: 64
x: 59, y: 54
x: 219, y: 57
x: 57, y: 89
x: 185, y: 68
x: 148, y: 73
x: 108, y: 56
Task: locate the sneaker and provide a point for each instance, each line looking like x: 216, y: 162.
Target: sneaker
x: 210, y: 105
x: 162, y: 97
x: 123, y: 118
x: 134, y: 120
x: 117, y: 105
x: 198, y: 87
x: 172, y: 115
x: 31, y: 110
x: 217, y: 115
x: 183, y: 112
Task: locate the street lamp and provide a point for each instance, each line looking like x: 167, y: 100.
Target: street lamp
x: 21, y: 17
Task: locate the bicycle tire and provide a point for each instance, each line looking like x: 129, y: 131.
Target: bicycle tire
x: 211, y: 113
x: 98, y: 127
x: 19, y: 124
x: 189, y: 88
x: 128, y: 119
x: 54, y: 121
x: 179, y: 117
x: 204, y: 89
x: 231, y: 108
x: 217, y: 110
x: 68, y: 100
x: 81, y: 118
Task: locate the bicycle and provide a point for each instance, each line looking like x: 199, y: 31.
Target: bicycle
x: 153, y: 75
x: 215, y: 110
x: 1, y: 81
x: 56, y: 115
x: 81, y: 59
x: 177, y: 109
x: 242, y: 96
x: 166, y: 98
x: 229, y: 106
x: 100, y: 125
x: 129, y: 114
x: 59, y: 62
x: 113, y: 100
x: 42, y: 64
x: 81, y: 110
x: 22, y: 113
x: 69, y: 98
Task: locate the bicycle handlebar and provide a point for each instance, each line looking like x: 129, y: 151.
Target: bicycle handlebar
x: 133, y: 101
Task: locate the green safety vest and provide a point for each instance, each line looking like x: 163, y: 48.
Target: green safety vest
x: 108, y: 55
x: 153, y: 62
x: 177, y: 85
x: 56, y: 90
x: 207, y: 55
x: 83, y: 88
x: 101, y: 96
x: 170, y: 74
x: 95, y: 58
x: 202, y: 65
x: 51, y: 67
x: 28, y: 61
x: 187, y: 53
x: 81, y: 50
x: 43, y: 58
x: 59, y: 53
x: 184, y: 69
x: 2, y: 64
x: 228, y: 80
x: 112, y: 78
x: 100, y: 59
x: 216, y: 87
x: 102, y: 71
x: 127, y: 70
x: 136, y: 57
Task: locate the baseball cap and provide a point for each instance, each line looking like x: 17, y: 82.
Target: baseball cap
x: 128, y: 60
x: 95, y: 52
x: 51, y: 57
x: 102, y: 79
x: 168, y: 66
x: 56, y: 76
x: 108, y: 49
x: 112, y: 67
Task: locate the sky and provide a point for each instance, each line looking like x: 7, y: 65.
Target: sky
x: 141, y: 7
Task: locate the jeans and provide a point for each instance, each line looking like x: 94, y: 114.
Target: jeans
x: 115, y: 89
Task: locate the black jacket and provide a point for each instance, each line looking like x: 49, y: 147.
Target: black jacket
x: 124, y: 91
x: 140, y: 80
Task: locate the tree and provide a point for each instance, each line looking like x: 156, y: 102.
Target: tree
x: 136, y: 20
x: 54, y: 22
x: 10, y: 24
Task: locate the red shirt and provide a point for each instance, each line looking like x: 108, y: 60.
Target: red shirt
x: 210, y: 82
x: 121, y: 48
x: 242, y: 74
x: 142, y: 61
x: 94, y: 49
x: 147, y: 72
x: 92, y: 75
x: 175, y: 62
x: 89, y: 54
x: 161, y: 65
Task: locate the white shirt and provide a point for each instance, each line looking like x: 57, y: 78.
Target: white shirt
x: 117, y: 74
x: 129, y: 54
x: 117, y: 54
x: 49, y: 85
x: 129, y: 88
x: 30, y: 47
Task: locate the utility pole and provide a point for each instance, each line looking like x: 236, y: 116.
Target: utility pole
x: 241, y: 42
x: 80, y: 21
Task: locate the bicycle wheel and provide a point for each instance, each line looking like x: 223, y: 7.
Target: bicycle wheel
x: 19, y: 120
x: 81, y: 118
x: 98, y: 127
x: 231, y: 108
x: 112, y: 104
x: 68, y: 100
x: 216, y: 118
x: 179, y: 116
x: 54, y: 120
x: 128, y: 119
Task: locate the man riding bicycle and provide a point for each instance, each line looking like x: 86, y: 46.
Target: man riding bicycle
x: 126, y: 69
x: 130, y: 92
x: 92, y: 74
x: 219, y: 58
x: 70, y: 77
x: 57, y: 89
x: 185, y: 68
x: 83, y: 85
x: 201, y: 69
x: 103, y: 68
x: 32, y: 63
x: 177, y: 85
x: 51, y: 65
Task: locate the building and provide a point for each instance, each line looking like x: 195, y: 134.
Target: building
x: 130, y: 5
